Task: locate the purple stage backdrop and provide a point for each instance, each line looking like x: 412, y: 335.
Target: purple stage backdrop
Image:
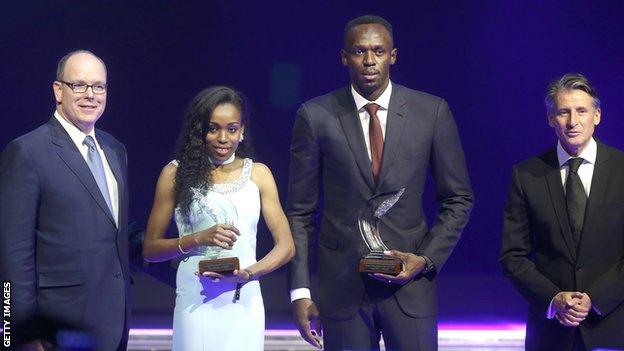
x: 491, y: 60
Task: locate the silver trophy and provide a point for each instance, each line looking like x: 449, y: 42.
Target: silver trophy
x: 375, y: 261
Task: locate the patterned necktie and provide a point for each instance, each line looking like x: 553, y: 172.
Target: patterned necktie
x: 94, y: 160
x: 576, y: 199
x: 376, y: 139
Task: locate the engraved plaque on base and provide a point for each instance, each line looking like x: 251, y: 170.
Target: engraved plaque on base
x: 380, y: 264
x: 375, y: 261
x: 225, y: 265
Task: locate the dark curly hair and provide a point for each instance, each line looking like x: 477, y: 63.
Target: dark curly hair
x: 194, y: 167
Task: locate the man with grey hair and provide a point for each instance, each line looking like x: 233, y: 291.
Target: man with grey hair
x: 563, y: 241
x: 64, y: 214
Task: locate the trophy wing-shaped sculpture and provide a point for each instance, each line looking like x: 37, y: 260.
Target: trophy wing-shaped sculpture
x: 388, y: 203
x: 220, y: 210
x: 217, y: 209
x: 375, y: 261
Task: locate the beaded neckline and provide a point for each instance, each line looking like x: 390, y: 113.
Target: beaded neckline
x: 232, y: 187
x: 236, y: 185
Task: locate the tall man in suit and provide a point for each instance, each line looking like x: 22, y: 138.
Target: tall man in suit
x: 370, y: 138
x: 563, y: 237
x: 64, y: 210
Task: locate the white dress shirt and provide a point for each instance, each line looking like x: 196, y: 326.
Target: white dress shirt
x: 585, y: 173
x: 382, y: 113
x: 78, y: 137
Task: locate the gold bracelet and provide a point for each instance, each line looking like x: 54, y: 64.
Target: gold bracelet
x: 180, y: 247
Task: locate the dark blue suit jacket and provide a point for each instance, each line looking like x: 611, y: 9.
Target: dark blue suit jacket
x: 59, y: 244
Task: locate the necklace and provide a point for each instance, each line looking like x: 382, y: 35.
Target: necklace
x: 221, y: 163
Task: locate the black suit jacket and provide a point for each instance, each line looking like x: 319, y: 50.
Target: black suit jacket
x: 539, y: 255
x: 330, y: 169
x: 59, y: 244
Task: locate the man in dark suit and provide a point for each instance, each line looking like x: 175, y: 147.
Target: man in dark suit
x: 370, y: 138
x: 64, y: 213
x: 563, y: 237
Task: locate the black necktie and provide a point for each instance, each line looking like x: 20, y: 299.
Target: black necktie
x: 576, y: 199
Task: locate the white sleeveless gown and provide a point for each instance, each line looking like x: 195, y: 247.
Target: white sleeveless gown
x: 205, y: 315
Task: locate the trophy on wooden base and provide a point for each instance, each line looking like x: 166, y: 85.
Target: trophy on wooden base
x: 220, y: 210
x: 375, y: 261
x: 225, y: 265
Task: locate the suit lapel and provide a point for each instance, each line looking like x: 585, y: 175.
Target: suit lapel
x: 599, y: 188
x: 555, y: 189
x: 395, y: 124
x: 67, y: 151
x: 113, y: 162
x: 352, y: 128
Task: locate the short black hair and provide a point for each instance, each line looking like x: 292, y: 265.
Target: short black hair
x: 366, y: 19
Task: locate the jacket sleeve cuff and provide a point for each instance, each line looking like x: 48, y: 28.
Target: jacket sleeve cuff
x: 550, y: 312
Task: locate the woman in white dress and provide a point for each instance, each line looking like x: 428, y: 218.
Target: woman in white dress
x: 216, y: 195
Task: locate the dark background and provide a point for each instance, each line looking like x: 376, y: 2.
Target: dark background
x: 491, y: 60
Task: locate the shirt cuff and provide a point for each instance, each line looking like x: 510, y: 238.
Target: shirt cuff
x: 300, y: 293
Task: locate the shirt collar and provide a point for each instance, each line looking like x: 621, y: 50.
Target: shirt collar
x: 588, y: 154
x: 383, y: 100
x: 76, y: 135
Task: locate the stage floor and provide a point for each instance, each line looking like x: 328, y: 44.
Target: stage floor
x: 452, y: 337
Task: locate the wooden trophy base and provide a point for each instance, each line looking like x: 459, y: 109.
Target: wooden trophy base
x: 381, y: 264
x: 219, y: 265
